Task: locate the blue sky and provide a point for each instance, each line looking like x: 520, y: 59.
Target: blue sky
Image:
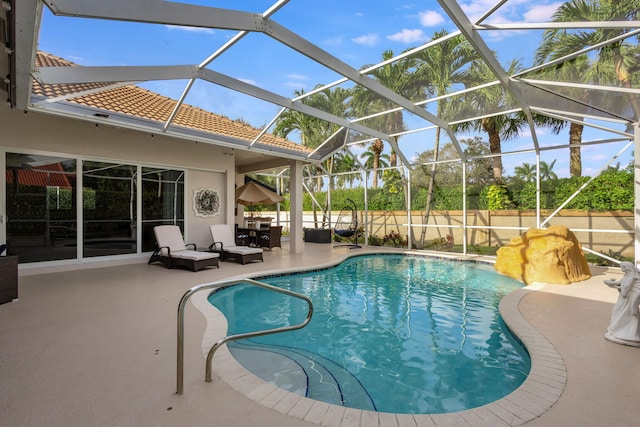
x: 356, y: 32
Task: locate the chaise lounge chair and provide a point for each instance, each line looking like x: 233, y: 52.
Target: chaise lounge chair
x: 173, y: 252
x: 225, y: 243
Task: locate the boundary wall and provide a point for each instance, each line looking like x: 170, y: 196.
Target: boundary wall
x: 611, y: 231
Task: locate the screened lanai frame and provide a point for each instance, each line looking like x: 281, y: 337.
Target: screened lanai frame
x: 528, y: 92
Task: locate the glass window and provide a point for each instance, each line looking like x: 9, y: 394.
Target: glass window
x: 162, y: 202
x: 109, y: 210
x: 41, y: 207
x: 41, y: 200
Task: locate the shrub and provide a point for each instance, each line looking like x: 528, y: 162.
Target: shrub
x: 442, y: 243
x: 394, y: 239
x: 612, y: 190
x: 496, y: 197
x: 375, y: 241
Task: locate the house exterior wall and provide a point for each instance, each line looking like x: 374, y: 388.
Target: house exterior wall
x: 206, y: 165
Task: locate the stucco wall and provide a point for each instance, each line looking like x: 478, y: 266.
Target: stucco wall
x: 206, y: 165
x: 616, y: 238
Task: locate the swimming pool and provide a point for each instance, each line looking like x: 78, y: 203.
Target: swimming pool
x: 390, y: 333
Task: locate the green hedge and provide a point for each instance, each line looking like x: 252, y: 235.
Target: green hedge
x: 612, y: 190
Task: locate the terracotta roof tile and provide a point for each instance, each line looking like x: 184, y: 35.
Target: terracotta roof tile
x: 52, y: 175
x: 139, y: 102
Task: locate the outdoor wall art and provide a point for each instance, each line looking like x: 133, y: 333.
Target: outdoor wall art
x: 206, y: 202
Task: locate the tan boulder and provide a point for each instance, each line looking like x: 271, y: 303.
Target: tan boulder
x: 553, y: 255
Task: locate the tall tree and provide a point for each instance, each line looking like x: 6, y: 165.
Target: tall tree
x: 498, y: 127
x: 374, y: 159
x: 525, y: 172
x: 546, y: 171
x: 616, y: 61
x: 398, y: 76
x: 313, y: 131
x: 343, y: 164
x: 479, y: 168
x: 441, y: 67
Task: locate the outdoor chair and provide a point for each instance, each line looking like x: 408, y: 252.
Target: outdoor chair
x: 270, y: 238
x: 347, y: 224
x: 173, y: 252
x: 225, y: 244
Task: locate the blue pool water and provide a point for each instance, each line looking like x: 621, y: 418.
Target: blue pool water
x: 389, y: 333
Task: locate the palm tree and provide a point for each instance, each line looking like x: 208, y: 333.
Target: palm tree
x: 343, y: 162
x: 613, y: 62
x: 526, y: 172
x: 374, y: 159
x: 314, y: 131
x: 555, y: 46
x: 400, y: 78
x: 442, y: 66
x: 493, y: 98
x: 546, y: 171
x: 292, y: 120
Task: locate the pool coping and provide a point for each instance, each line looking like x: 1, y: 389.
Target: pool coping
x: 539, y: 392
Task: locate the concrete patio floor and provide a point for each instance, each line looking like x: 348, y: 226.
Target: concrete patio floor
x: 97, y: 347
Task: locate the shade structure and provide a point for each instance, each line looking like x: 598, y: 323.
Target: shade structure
x: 252, y: 193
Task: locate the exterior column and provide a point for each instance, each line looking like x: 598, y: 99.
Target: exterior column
x: 296, y: 243
x: 636, y: 192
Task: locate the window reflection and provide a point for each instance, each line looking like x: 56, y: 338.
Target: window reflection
x: 41, y: 207
x: 162, y: 202
x: 109, y: 210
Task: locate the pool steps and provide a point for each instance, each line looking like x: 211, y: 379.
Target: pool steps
x: 323, y: 379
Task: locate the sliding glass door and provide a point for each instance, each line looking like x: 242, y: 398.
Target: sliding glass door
x: 109, y: 195
x: 162, y: 202
x: 41, y: 207
x: 114, y: 213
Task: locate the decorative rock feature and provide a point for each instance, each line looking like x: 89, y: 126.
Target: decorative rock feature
x: 552, y: 255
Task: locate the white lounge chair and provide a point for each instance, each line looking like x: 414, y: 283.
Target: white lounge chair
x: 225, y: 243
x: 173, y: 252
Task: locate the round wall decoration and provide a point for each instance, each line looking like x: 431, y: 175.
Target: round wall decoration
x: 206, y: 202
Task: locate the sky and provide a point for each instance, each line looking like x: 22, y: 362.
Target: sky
x: 356, y: 32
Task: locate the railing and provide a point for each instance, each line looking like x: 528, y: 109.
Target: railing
x: 219, y: 343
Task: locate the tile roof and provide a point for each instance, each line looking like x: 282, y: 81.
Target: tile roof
x: 142, y: 103
x: 51, y: 175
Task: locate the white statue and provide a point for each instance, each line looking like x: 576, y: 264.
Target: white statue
x: 625, y: 317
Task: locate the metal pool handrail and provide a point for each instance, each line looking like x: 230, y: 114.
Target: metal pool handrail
x: 219, y: 343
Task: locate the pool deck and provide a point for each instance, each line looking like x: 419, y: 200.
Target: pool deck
x: 97, y: 347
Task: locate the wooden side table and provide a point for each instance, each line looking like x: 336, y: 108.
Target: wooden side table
x: 8, y: 278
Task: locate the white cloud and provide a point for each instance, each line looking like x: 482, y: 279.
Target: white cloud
x: 296, y: 81
x: 295, y: 85
x: 190, y: 29
x: 589, y: 171
x: 248, y: 81
x: 430, y: 18
x: 510, y: 12
x: 333, y: 41
x: 370, y: 39
x: 476, y: 9
x: 297, y: 77
x: 407, y: 36
x: 541, y: 13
